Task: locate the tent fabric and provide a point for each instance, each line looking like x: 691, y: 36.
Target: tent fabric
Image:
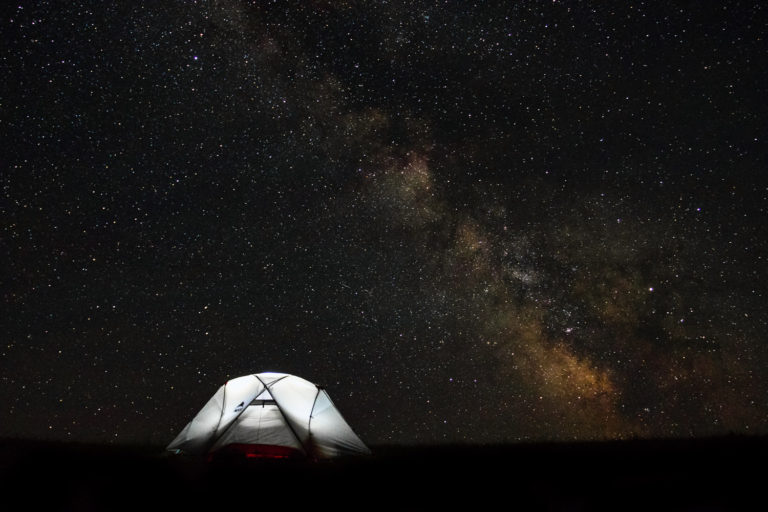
x: 270, y: 410
x: 260, y: 424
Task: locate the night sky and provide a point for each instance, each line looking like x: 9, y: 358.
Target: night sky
x: 473, y: 222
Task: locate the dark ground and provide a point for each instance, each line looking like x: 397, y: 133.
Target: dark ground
x: 715, y: 474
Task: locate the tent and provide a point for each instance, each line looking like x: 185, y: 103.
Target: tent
x: 269, y: 415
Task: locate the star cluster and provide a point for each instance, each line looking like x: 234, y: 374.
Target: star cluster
x: 472, y: 222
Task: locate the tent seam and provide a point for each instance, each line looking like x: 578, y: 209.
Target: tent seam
x: 309, y: 421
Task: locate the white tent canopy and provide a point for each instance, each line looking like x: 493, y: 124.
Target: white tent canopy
x: 270, y: 410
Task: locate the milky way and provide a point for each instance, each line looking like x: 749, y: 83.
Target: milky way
x: 472, y: 224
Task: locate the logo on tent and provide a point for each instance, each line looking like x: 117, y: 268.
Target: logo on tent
x: 240, y: 407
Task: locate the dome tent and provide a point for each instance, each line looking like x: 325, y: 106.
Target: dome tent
x: 271, y: 415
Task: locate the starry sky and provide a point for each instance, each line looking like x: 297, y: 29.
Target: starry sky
x: 473, y: 222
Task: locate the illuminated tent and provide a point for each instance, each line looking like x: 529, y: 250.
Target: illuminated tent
x: 269, y: 415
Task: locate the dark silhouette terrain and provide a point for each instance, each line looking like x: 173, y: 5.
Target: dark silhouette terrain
x: 707, y: 474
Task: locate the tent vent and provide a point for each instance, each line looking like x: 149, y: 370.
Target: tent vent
x: 262, y: 403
